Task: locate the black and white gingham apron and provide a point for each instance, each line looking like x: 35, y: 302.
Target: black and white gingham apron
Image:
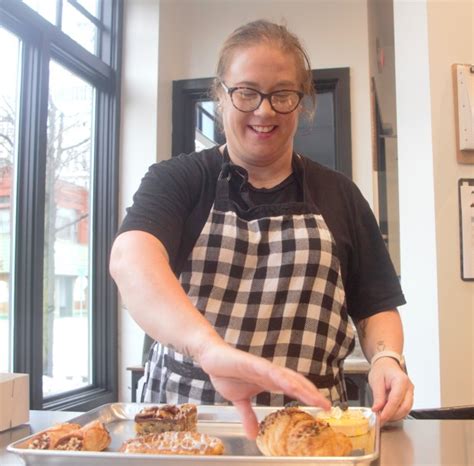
x: 268, y: 279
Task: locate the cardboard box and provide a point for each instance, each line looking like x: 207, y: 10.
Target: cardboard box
x: 14, y: 400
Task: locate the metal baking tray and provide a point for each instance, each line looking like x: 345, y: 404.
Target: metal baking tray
x: 220, y: 421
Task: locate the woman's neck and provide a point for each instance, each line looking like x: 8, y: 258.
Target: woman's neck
x: 265, y: 175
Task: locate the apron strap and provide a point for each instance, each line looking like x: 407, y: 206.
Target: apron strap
x: 184, y: 369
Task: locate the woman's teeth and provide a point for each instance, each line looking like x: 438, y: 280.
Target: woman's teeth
x: 263, y: 129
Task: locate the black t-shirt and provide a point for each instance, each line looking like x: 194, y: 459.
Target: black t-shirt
x: 175, y: 198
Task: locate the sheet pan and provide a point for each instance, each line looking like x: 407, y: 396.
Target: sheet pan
x: 221, y: 421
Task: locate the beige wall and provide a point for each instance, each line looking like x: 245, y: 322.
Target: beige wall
x: 451, y: 40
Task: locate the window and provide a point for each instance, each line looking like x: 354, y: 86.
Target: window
x: 9, y: 98
x: 58, y: 175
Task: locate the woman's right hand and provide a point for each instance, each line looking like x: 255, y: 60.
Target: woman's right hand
x: 238, y: 376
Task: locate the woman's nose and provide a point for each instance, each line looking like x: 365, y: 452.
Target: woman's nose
x: 265, y: 108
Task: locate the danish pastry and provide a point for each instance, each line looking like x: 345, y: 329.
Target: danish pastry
x: 48, y: 439
x: 156, y: 419
x: 293, y: 432
x: 174, y: 443
x: 92, y: 437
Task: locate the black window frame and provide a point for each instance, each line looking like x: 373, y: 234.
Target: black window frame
x: 42, y: 41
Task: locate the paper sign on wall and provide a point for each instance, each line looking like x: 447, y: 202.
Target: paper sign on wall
x: 466, y: 204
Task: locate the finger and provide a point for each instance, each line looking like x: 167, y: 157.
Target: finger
x: 395, y: 399
x: 405, y: 407
x: 295, y: 385
x: 249, y: 420
x: 379, y: 393
x: 281, y: 379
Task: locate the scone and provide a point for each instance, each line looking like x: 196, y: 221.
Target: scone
x: 293, y: 432
x: 351, y: 422
x: 174, y: 443
x: 156, y: 419
x: 92, y: 437
x: 48, y: 439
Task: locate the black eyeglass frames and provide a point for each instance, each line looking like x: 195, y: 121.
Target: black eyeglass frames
x: 248, y: 100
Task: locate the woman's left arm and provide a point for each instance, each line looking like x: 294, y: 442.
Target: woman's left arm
x: 392, y: 389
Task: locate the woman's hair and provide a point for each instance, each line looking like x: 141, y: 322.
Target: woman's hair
x: 263, y: 31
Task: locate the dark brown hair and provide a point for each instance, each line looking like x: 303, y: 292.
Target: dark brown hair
x: 263, y: 31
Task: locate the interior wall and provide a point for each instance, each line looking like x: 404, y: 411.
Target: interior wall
x: 138, y: 136
x: 451, y: 40
x: 382, y: 70
x: 429, y: 37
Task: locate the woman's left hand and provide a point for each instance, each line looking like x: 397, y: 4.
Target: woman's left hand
x: 392, y: 390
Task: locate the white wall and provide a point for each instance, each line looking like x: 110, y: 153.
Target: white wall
x: 138, y: 134
x: 417, y: 209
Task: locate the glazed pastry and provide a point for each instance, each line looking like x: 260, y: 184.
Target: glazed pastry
x: 351, y: 422
x: 293, y: 432
x: 47, y: 439
x: 92, y: 437
x: 174, y: 443
x: 156, y: 419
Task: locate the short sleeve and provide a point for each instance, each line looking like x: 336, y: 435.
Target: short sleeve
x: 165, y: 200
x: 373, y: 285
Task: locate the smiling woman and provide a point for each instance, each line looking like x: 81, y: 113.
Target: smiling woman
x: 255, y: 256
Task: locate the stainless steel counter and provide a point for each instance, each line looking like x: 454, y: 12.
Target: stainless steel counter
x: 405, y: 443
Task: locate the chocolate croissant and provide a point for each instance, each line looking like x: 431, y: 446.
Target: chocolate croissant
x: 91, y: 437
x: 293, y: 432
x: 48, y: 439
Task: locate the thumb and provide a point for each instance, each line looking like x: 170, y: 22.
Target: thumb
x: 249, y: 420
x: 379, y: 393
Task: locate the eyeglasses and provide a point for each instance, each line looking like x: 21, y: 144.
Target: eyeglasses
x: 247, y: 99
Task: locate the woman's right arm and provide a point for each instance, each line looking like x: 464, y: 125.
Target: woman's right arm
x: 158, y: 303
x: 155, y: 299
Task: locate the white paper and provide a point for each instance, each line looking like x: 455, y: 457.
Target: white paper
x: 467, y: 226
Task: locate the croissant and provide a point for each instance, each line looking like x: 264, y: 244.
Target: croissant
x: 48, y: 439
x: 91, y: 437
x: 293, y: 432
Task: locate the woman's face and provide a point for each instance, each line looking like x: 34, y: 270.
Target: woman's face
x: 263, y: 136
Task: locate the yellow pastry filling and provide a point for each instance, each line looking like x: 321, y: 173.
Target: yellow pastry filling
x: 352, y: 422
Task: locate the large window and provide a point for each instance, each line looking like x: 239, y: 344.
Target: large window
x: 58, y: 197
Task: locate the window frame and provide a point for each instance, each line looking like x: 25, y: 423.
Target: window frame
x: 41, y: 41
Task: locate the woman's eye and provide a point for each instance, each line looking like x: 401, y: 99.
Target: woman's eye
x: 282, y: 96
x: 247, y: 95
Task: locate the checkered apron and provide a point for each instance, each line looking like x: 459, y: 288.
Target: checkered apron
x: 268, y: 279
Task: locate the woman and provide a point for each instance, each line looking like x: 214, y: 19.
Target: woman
x: 245, y: 261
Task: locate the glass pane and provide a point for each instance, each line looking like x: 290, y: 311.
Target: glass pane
x: 46, y: 8
x: 206, y: 125
x: 92, y: 6
x: 9, y: 98
x: 317, y: 139
x: 67, y: 317
x: 79, y: 28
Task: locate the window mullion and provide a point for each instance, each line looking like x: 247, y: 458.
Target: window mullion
x: 29, y: 234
